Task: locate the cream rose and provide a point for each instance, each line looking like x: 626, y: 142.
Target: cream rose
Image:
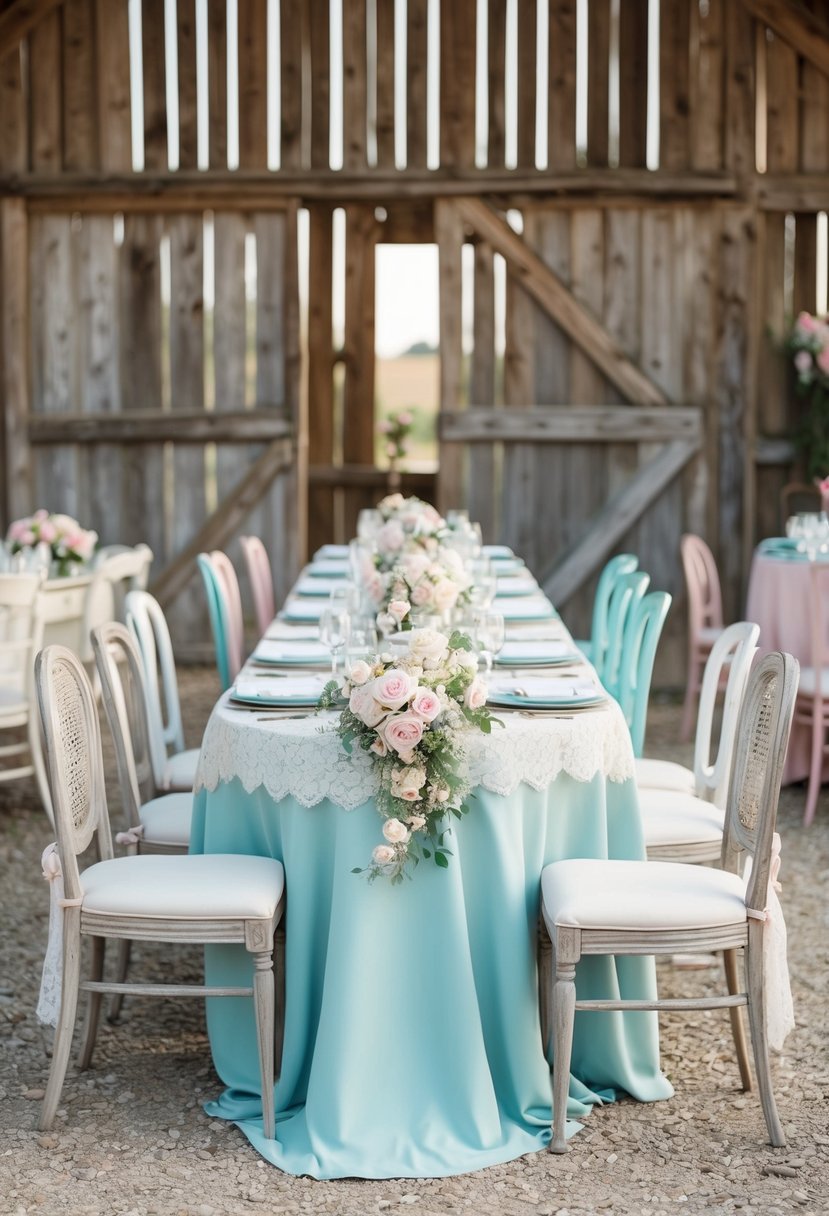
x: 395, y: 831
x: 421, y: 595
x: 475, y: 695
x: 392, y: 502
x: 391, y: 538
x: 383, y: 855
x: 363, y: 705
x: 417, y: 822
x: 394, y: 688
x: 359, y: 672
x: 414, y: 566
x: 379, y: 746
x: 398, y: 609
x: 426, y: 704
x: 403, y: 732
x: 427, y: 644
x: 445, y: 595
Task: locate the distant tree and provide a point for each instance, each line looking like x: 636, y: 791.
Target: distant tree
x: 421, y: 348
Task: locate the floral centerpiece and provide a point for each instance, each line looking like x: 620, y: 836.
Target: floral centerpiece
x: 411, y: 714
x: 68, y: 542
x: 408, y: 524
x: 434, y: 583
x: 395, y: 431
x: 808, y: 344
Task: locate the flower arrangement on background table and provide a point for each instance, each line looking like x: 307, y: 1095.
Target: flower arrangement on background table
x: 395, y: 431
x: 808, y: 345
x: 410, y: 712
x: 70, y: 545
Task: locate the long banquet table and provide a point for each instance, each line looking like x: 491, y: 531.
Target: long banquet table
x: 412, y: 1043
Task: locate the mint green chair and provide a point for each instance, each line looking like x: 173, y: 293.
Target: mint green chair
x: 596, y: 649
x: 217, y: 612
x: 627, y: 594
x: 643, y: 629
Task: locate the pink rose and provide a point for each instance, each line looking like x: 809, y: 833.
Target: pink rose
x: 40, y: 514
x: 383, y: 855
x: 359, y: 671
x: 18, y: 528
x: 403, y: 732
x: 475, y: 696
x: 415, y: 566
x: 445, y: 595
x: 395, y: 832
x: 383, y: 426
x: 363, y: 705
x: 803, y: 361
x: 394, y: 688
x: 398, y: 609
x: 823, y: 360
x: 390, y: 538
x: 48, y: 532
x: 426, y: 704
x: 421, y: 595
x: 27, y: 537
x: 379, y: 746
x: 807, y: 323
x: 404, y: 418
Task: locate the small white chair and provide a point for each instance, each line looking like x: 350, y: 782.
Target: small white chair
x: 683, y: 810
x: 199, y: 899
x: 174, y: 766
x: 21, y: 633
x: 645, y: 907
x: 116, y: 571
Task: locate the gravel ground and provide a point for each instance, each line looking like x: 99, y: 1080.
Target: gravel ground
x: 131, y: 1136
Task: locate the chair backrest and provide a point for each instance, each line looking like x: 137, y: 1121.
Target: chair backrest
x: 260, y: 578
x: 21, y: 629
x: 623, y: 563
x: 643, y: 630
x: 125, y: 703
x: 72, y: 737
x: 118, y: 570
x: 148, y: 626
x: 735, y: 648
x: 703, y: 585
x: 751, y: 811
x: 627, y: 592
x: 229, y: 586
x: 217, y: 610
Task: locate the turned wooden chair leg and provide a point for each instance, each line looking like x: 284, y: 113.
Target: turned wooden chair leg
x: 545, y: 988
x: 815, y: 768
x: 564, y: 1008
x: 263, y: 1000
x: 279, y: 997
x: 93, y: 1009
x: 738, y: 1030
x: 759, y: 1040
x: 66, y: 1018
x: 121, y: 968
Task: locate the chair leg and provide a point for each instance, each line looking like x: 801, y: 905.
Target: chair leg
x: 738, y: 1030
x: 279, y: 997
x: 564, y: 1007
x: 759, y: 1041
x: 93, y: 1009
x: 263, y: 999
x: 121, y: 967
x: 66, y: 1018
x: 689, y: 704
x: 815, y: 768
x: 545, y: 987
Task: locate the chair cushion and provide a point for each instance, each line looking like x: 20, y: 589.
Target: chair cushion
x: 181, y: 769
x: 166, y: 819
x: 808, y: 680
x: 216, y: 885
x: 673, y: 818
x: 640, y: 895
x: 664, y: 775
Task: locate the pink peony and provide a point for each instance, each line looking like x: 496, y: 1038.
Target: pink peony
x: 426, y: 704
x: 403, y: 732
x: 394, y: 688
x: 807, y: 323
x: 48, y: 532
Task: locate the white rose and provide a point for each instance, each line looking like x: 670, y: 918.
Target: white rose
x: 475, y: 696
x: 427, y: 644
x: 445, y: 595
x: 363, y: 705
x: 359, y: 672
x: 383, y: 855
x: 395, y: 831
x: 417, y: 822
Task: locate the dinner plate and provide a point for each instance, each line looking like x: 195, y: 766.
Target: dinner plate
x: 278, y: 690
x: 335, y: 551
x: 522, y: 608
x: 328, y: 567
x: 316, y: 586
x: 537, y: 653
x: 287, y: 653
x: 509, y: 588
x: 498, y: 553
x: 303, y: 610
x: 539, y: 692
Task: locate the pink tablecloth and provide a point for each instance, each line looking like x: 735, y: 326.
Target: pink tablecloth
x: 778, y: 600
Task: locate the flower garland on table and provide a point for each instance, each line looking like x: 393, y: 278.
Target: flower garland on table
x: 409, y: 524
x: 808, y: 344
x: 410, y: 714
x: 68, y: 542
x: 436, y: 583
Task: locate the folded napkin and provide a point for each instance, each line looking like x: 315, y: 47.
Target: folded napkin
x: 331, y: 551
x: 525, y: 606
x: 540, y: 651
x: 516, y: 586
x: 279, y: 688
x: 303, y: 610
x: 545, y: 631
x: 316, y: 586
x: 328, y: 567
x: 272, y: 650
x: 297, y: 633
x: 497, y: 552
x: 545, y: 688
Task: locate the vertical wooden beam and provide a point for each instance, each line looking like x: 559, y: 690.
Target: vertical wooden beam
x: 774, y: 396
x: 45, y: 94
x: 496, y: 71
x: 14, y: 344
x: 527, y: 83
x: 449, y: 236
x: 561, y: 112
x: 598, y: 81
x: 518, y: 523
x: 805, y: 263
x: 481, y: 499
x: 320, y: 371
x: 113, y: 59
x: 814, y: 112
x: 740, y: 152
x: 355, y: 84
x: 80, y: 73
x: 291, y: 63
x: 457, y: 83
x: 253, y: 84
x: 155, y: 87
x: 416, y: 60
x: 320, y: 84
x: 13, y: 124
x: 781, y: 106
x: 674, y: 83
x: 187, y: 102
x: 358, y: 396
x: 707, y: 84
x: 385, y: 84
x: 217, y: 82
x: 633, y: 83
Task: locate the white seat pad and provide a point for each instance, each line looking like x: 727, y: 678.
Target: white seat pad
x: 166, y: 819
x: 808, y: 680
x: 216, y: 885
x: 181, y: 769
x: 640, y: 895
x: 664, y: 775
x: 673, y: 818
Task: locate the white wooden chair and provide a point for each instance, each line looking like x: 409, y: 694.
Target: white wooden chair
x: 683, y: 810
x: 117, y: 570
x: 174, y: 766
x: 648, y: 907
x: 812, y: 710
x: 198, y: 899
x: 21, y: 632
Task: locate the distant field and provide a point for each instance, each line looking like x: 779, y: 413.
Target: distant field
x: 410, y: 382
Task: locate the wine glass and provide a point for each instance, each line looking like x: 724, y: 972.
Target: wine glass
x: 484, y: 582
x: 457, y: 519
x: 489, y: 634
x: 334, y: 626
x: 369, y: 522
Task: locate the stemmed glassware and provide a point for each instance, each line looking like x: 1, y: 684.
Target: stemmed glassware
x: 334, y: 627
x: 484, y: 581
x: 489, y: 636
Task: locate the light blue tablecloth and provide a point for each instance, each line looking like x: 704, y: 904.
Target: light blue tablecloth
x: 412, y: 1039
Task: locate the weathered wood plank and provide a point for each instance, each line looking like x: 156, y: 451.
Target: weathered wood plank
x: 355, y: 84
x: 561, y: 108
x: 20, y: 19
x: 385, y: 83
x: 805, y: 31
x: 234, y: 426
x: 14, y: 366
x: 217, y: 82
x: 291, y: 19
x: 318, y: 19
x: 155, y: 86
x: 457, y: 83
x: 13, y: 118
x: 253, y: 84
x: 320, y: 372
x: 561, y: 305
x: 814, y: 111
x: 674, y: 83
x: 527, y: 81
x: 359, y: 357
x: 518, y: 522
x: 804, y: 296
x: 707, y: 84
x: 773, y: 393
x: 781, y: 106
x: 187, y: 102
x: 45, y: 119
x: 598, y: 81
x: 700, y: 242
x: 633, y: 82
x: 113, y: 65
x: 591, y: 424
x: 740, y: 75
x: 481, y: 497
x: 449, y: 236
x: 80, y: 126
x: 496, y: 72
x: 416, y: 61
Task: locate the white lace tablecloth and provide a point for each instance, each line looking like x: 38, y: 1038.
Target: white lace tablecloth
x: 304, y: 758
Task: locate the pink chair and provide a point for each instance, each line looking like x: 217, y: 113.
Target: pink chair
x: 229, y: 584
x: 261, y: 581
x: 705, y: 619
x: 812, y: 705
